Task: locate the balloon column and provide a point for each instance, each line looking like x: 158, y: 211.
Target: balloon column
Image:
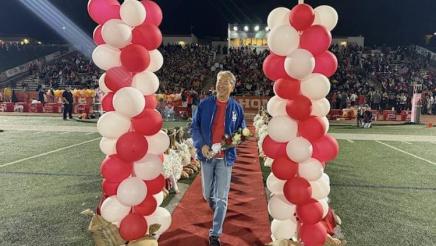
x: 297, y: 140
x: 128, y: 37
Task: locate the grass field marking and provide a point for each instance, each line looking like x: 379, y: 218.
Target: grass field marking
x: 35, y: 133
x: 63, y: 133
x: 405, y: 152
x: 89, y: 133
x: 350, y: 141
x: 406, y: 142
x: 47, y: 153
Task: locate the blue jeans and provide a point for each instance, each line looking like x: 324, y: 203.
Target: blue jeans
x: 215, y: 179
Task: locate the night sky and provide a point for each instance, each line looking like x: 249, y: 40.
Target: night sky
x: 389, y: 22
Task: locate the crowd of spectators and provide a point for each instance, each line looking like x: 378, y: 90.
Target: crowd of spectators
x: 72, y: 70
x: 381, y: 78
x: 186, y: 67
x: 246, y: 64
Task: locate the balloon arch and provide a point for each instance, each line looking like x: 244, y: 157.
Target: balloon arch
x: 128, y: 36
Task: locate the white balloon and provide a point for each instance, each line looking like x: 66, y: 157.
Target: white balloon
x: 133, y: 12
x: 299, y: 149
x: 108, y: 146
x: 116, y: 33
x: 106, y: 57
x: 326, y: 124
x: 325, y: 207
x: 283, y: 229
x: 102, y: 84
x: 158, y: 143
x: 282, y: 129
x: 113, y: 125
x: 132, y: 191
x: 159, y: 198
x: 162, y: 217
x: 147, y: 82
x: 316, y: 86
x: 283, y: 40
x: 113, y: 210
x: 277, y: 106
x: 278, y: 17
x: 149, y: 167
x: 320, y: 107
x: 156, y: 61
x: 129, y: 101
x: 299, y: 64
x: 280, y: 209
x: 326, y: 16
x: 320, y: 187
x: 274, y: 184
x: 310, y: 169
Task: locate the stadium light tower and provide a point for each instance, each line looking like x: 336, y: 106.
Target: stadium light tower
x: 60, y: 23
x: 235, y: 28
x: 246, y: 28
x: 256, y: 28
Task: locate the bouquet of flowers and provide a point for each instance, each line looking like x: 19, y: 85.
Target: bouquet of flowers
x: 231, y: 141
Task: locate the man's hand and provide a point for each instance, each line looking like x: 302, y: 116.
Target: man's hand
x: 205, y: 150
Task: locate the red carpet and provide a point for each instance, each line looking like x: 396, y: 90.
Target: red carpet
x: 247, y: 220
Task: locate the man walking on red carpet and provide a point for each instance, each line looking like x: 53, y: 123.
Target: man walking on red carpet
x: 217, y: 116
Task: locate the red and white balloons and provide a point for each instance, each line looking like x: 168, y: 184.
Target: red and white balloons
x: 128, y: 37
x: 300, y: 64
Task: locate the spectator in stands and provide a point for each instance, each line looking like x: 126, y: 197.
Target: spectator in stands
x: 67, y: 99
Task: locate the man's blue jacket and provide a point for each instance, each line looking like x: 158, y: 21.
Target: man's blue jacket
x: 203, y: 121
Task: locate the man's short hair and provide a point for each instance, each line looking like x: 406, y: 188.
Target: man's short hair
x: 227, y: 74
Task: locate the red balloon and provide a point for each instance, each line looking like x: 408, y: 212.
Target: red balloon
x: 273, y: 149
x: 133, y: 227
x: 150, y: 102
x: 310, y: 213
x: 287, y: 88
x: 326, y: 64
x: 312, y: 128
x: 147, y: 207
x: 114, y: 169
x: 325, y: 148
x: 313, y: 235
x: 299, y: 108
x: 117, y: 78
x: 109, y: 188
x: 135, y: 58
x: 284, y: 169
x: 148, y: 123
x: 103, y: 10
x: 297, y: 191
x: 154, y: 12
x: 302, y: 17
x: 107, y: 102
x: 147, y: 35
x: 156, y: 185
x: 132, y: 146
x: 316, y: 39
x: 98, y: 38
x: 274, y: 67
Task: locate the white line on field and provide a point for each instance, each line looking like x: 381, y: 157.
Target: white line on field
x: 47, y: 153
x: 35, y: 133
x: 406, y: 142
x: 407, y: 153
x: 89, y: 133
x: 63, y: 133
x: 350, y: 141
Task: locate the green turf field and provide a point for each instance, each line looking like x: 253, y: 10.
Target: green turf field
x: 384, y: 196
